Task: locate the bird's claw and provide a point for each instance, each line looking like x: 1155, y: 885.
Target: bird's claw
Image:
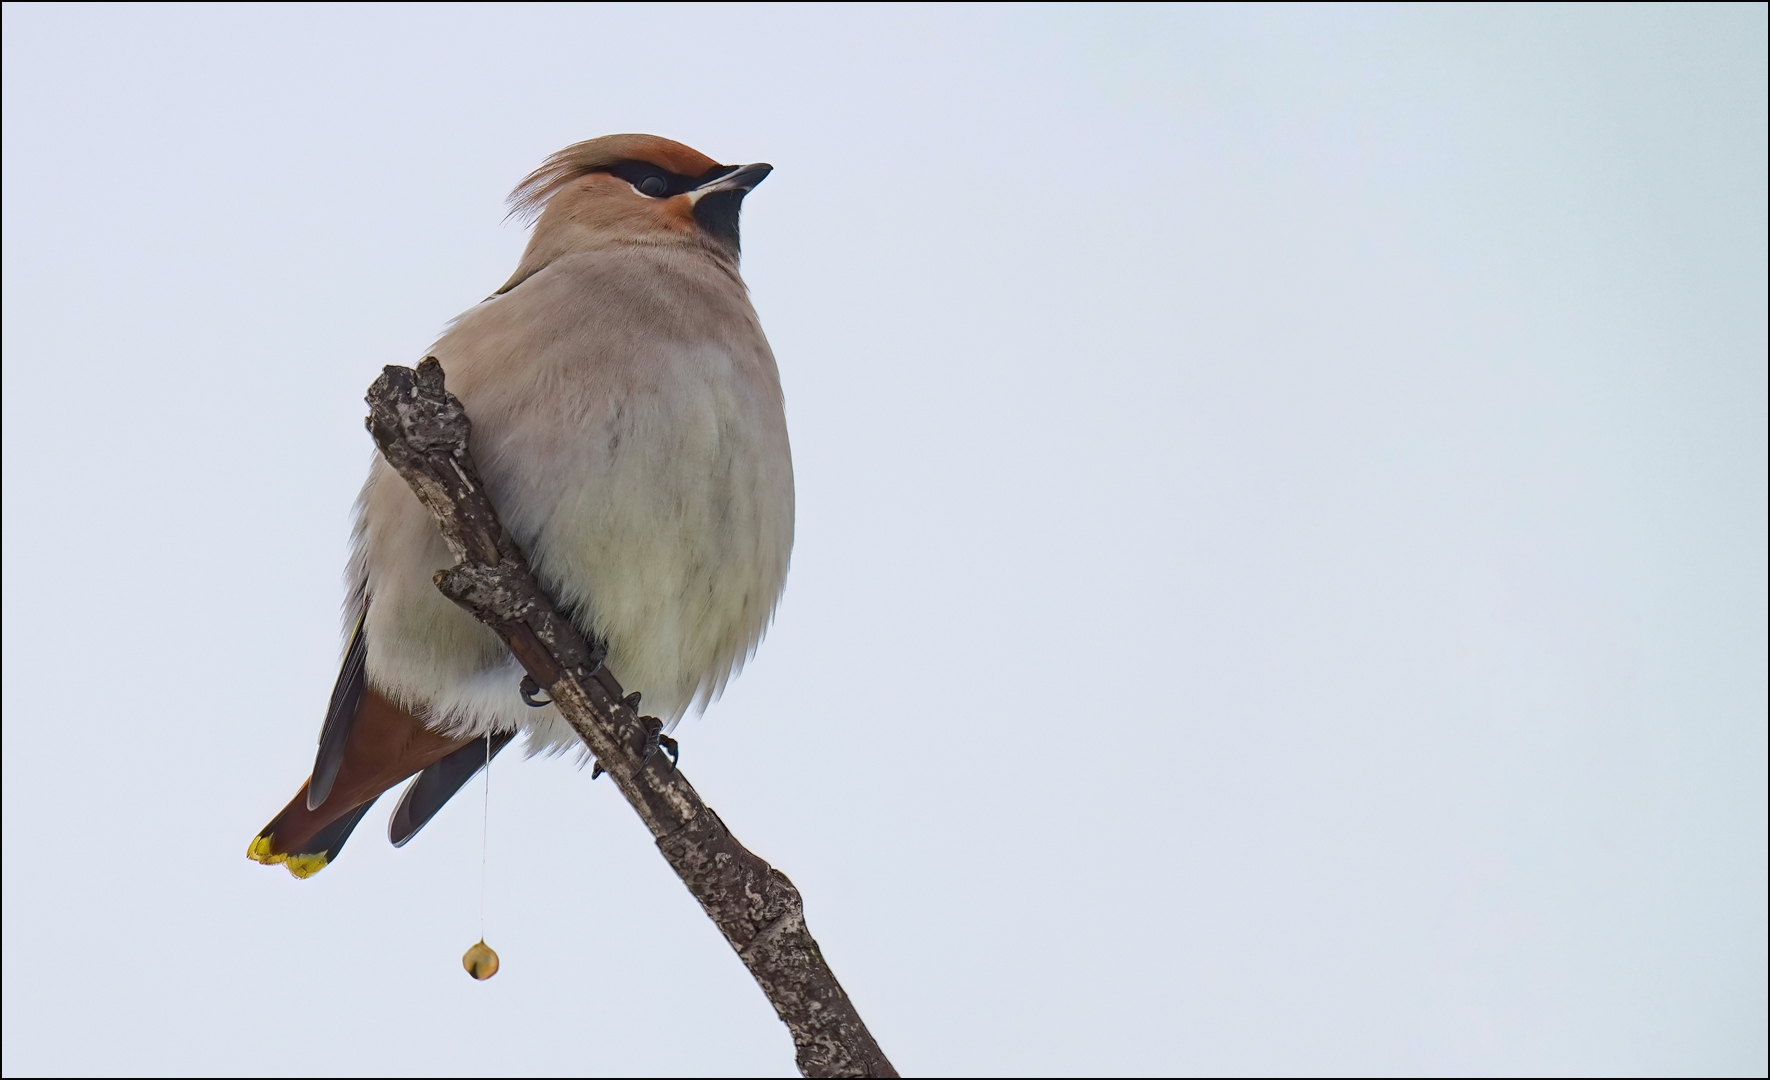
x: 656, y: 740
x: 529, y: 689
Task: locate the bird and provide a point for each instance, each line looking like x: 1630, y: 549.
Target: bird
x: 630, y: 427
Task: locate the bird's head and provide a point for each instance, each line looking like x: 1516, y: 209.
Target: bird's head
x: 631, y: 189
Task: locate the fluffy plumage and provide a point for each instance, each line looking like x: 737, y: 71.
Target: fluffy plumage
x: 628, y: 423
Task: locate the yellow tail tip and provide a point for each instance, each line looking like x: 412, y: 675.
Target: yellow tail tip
x: 305, y: 866
x: 259, y: 850
x: 302, y: 866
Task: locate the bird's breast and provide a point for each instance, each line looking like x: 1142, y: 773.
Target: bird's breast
x: 629, y: 426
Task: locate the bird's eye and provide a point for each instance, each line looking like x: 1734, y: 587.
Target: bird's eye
x: 653, y: 185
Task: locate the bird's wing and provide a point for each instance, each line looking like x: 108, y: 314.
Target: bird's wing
x: 347, y: 694
x: 437, y: 784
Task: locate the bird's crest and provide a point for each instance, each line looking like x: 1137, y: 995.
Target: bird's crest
x: 596, y: 155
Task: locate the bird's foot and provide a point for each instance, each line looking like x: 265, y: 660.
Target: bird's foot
x: 529, y: 689
x: 656, y: 740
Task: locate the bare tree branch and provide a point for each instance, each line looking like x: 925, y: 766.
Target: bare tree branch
x: 422, y: 430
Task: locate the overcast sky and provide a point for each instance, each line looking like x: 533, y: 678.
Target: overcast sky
x: 1280, y: 579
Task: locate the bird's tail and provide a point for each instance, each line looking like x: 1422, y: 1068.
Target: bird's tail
x: 296, y: 840
x: 381, y: 745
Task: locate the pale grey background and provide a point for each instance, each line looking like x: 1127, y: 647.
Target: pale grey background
x: 1281, y: 570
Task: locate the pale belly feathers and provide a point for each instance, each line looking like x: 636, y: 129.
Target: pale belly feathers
x: 630, y: 430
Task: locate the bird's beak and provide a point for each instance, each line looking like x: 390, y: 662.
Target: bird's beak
x: 742, y: 178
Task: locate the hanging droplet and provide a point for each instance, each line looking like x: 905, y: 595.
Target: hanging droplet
x: 480, y: 961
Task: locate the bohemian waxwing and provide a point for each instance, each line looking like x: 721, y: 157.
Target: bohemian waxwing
x: 628, y: 422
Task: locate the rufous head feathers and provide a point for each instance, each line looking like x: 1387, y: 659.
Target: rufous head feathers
x: 600, y: 155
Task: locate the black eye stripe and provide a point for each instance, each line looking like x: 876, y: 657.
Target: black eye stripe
x: 648, y: 179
